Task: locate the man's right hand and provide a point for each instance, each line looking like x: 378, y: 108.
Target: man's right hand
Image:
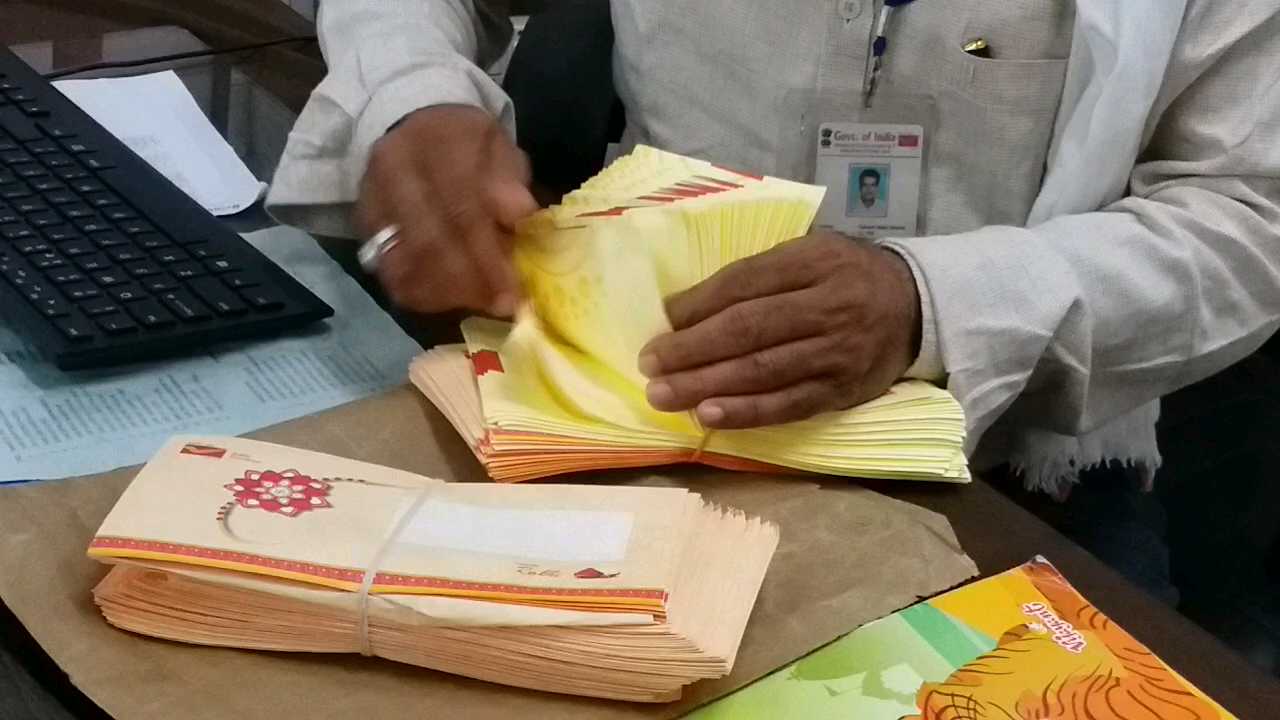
x: 455, y: 184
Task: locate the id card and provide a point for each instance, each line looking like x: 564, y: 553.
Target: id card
x: 872, y: 172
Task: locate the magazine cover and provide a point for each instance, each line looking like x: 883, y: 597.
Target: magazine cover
x: 1020, y: 645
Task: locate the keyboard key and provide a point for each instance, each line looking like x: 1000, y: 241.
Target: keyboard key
x: 185, y: 306
x: 60, y: 197
x: 18, y: 126
x: 48, y: 185
x: 61, y: 233
x: 71, y: 173
x: 42, y: 147
x: 86, y: 186
x: 32, y: 245
x: 76, y: 329
x: 56, y: 131
x: 151, y: 241
x: 33, y: 109
x: 119, y: 214
x: 8, y: 215
x: 136, y: 227
x: 62, y: 276
x: 99, y: 306
x: 16, y: 232
x: 30, y: 171
x: 46, y: 261
x: 126, y: 293
x: 169, y: 256
x: 186, y: 271
x: 160, y: 283
x: 204, y: 251
x: 221, y: 265
x: 57, y: 161
x: 35, y: 291
x: 7, y: 85
x: 76, y: 147
x: 7, y: 177
x: 78, y: 211
x: 92, y: 225
x: 52, y: 307
x: 217, y: 296
x: 126, y: 254
x: 142, y: 269
x: 109, y: 278
x: 117, y: 324
x: 96, y: 162
x: 93, y: 263
x: 102, y: 200
x: 82, y: 291
x: 29, y: 205
x: 262, y: 298
x: 240, y: 280
x: 76, y: 248
x: 107, y: 240
x: 20, y: 96
x: 13, y: 193
x: 16, y: 157
x: 6, y: 146
x: 41, y: 220
x: 149, y: 313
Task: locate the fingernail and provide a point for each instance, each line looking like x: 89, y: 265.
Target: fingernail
x: 649, y: 365
x: 710, y: 414
x: 504, y: 305
x: 660, y: 395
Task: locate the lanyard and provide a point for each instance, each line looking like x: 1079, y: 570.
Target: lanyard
x: 879, y: 46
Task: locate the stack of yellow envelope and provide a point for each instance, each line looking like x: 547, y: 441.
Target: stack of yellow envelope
x: 559, y: 390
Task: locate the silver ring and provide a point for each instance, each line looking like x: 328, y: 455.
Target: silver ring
x: 374, y: 248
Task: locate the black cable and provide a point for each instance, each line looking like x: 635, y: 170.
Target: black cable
x: 175, y: 56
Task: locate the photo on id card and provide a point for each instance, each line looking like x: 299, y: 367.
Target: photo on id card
x: 872, y: 172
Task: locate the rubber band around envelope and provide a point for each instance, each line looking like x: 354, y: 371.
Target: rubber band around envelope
x: 706, y: 437
x: 371, y: 572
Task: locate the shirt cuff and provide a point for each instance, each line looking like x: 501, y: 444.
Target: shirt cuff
x: 928, y: 365
x: 318, y: 178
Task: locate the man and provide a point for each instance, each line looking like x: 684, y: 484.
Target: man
x: 1098, y: 209
x: 869, y: 203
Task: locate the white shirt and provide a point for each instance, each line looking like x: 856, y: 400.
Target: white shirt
x: 1066, y: 330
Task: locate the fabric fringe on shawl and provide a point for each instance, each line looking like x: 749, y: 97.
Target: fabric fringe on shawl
x: 1052, y: 463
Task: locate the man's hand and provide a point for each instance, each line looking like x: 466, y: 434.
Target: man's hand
x: 455, y: 184
x: 819, y: 323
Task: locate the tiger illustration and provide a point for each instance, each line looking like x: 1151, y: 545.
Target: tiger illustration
x: 1030, y: 675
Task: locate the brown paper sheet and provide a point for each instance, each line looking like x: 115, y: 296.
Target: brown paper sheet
x: 847, y: 556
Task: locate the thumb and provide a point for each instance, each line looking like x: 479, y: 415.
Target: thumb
x: 511, y: 203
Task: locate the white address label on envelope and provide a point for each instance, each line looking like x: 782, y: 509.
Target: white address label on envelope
x: 872, y: 174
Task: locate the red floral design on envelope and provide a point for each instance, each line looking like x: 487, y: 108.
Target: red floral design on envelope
x: 288, y: 492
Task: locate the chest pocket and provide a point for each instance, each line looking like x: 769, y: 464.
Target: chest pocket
x: 995, y: 115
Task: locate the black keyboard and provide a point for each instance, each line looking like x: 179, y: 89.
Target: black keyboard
x: 103, y: 260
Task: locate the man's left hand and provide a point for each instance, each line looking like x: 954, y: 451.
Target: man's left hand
x: 818, y: 323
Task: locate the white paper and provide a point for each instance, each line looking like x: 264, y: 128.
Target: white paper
x: 158, y: 119
x: 550, y: 535
x: 57, y: 424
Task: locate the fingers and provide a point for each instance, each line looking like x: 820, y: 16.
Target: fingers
x: 739, y: 330
x: 754, y: 373
x: 789, y: 404
x: 455, y: 185
x: 770, y: 273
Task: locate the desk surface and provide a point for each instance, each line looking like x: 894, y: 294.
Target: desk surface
x: 253, y: 97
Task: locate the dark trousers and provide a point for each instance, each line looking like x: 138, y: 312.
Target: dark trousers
x: 1109, y: 515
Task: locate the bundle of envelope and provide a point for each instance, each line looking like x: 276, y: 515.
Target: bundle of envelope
x: 616, y: 592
